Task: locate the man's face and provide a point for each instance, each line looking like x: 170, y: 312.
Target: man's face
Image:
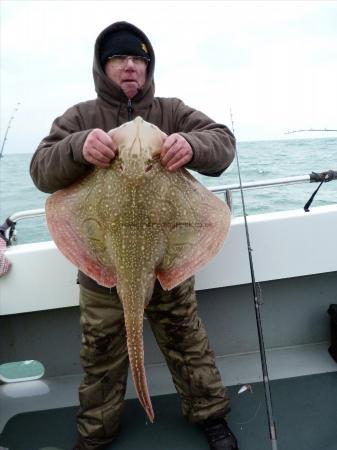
x: 128, y: 72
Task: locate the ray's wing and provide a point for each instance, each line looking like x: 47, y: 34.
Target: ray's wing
x: 77, y: 218
x: 196, y: 231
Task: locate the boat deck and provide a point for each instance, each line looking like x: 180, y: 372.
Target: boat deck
x: 38, y: 321
x: 304, y: 407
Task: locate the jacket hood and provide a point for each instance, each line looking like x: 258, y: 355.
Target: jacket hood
x: 107, y: 90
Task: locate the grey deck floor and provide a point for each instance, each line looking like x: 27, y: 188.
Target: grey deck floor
x: 305, y: 411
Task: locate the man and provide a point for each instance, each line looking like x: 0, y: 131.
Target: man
x: 123, y: 73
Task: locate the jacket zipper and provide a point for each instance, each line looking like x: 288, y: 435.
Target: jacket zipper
x: 130, y: 110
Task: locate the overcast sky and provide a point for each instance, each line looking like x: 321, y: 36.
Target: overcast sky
x: 273, y: 62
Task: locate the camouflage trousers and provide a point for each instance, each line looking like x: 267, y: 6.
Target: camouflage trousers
x: 182, y: 339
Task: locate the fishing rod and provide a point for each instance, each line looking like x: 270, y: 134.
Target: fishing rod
x: 7, y: 130
x: 257, y: 304
x: 309, y: 129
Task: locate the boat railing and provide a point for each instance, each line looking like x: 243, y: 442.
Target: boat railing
x: 7, y: 230
x: 221, y: 189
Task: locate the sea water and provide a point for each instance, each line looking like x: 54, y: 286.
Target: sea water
x: 258, y: 161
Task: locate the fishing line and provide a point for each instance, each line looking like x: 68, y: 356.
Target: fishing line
x: 266, y: 382
x: 252, y: 418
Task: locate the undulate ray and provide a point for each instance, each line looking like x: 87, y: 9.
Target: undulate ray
x: 134, y: 222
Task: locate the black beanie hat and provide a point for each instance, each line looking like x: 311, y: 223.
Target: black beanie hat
x: 122, y: 42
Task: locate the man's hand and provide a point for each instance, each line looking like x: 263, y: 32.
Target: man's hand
x: 176, y: 152
x: 99, y: 148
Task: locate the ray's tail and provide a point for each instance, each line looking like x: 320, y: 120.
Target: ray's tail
x: 134, y: 332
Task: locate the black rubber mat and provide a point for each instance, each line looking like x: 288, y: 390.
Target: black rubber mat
x: 305, y: 411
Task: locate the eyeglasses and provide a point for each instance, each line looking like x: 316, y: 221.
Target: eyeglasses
x: 122, y: 60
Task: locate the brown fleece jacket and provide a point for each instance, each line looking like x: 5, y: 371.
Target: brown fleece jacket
x: 58, y: 160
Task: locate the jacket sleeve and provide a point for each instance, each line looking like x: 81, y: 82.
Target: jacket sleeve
x: 58, y: 160
x: 213, y: 144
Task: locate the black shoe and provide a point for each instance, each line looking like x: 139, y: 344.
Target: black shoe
x: 219, y: 435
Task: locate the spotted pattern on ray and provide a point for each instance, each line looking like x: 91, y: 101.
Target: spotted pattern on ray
x: 126, y: 225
